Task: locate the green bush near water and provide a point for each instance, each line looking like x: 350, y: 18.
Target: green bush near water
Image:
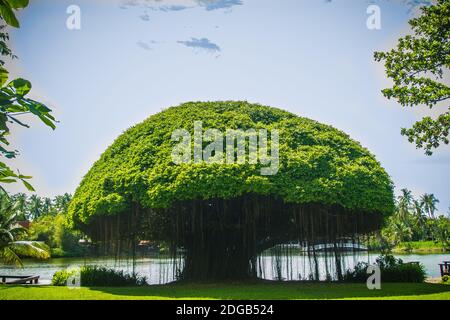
x: 60, y: 277
x: 392, y: 270
x: 446, y: 279
x: 91, y: 276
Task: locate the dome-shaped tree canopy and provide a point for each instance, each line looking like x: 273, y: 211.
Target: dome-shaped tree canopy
x: 327, y: 186
x: 318, y: 164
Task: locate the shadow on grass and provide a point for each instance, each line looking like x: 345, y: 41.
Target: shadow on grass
x: 275, y: 290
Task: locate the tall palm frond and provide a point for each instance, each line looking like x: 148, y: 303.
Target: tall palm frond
x: 12, y: 250
x: 6, y: 236
x: 8, y: 256
x: 35, y: 205
x: 33, y: 249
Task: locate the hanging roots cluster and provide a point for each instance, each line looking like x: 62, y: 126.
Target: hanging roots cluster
x: 224, y: 239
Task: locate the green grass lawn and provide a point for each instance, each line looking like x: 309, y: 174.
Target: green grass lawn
x: 233, y: 291
x: 419, y: 247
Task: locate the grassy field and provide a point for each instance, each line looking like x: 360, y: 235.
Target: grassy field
x: 233, y: 291
x: 419, y: 247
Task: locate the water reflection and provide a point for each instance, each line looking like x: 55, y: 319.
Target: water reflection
x: 159, y: 270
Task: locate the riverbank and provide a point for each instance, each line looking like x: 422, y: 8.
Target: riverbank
x: 420, y: 247
x: 262, y: 290
x: 153, y: 267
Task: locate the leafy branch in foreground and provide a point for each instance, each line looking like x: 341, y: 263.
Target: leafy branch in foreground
x: 13, y: 103
x: 418, y: 67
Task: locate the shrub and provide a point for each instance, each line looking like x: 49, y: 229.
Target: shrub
x: 392, y: 270
x: 445, y: 279
x: 101, y: 276
x: 94, y: 276
x: 60, y: 277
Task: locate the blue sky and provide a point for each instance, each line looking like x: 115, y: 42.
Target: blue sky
x: 133, y: 58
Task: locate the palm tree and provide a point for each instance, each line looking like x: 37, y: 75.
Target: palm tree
x: 429, y: 202
x: 418, y: 209
x: 20, y: 200
x: 420, y: 218
x: 401, y: 231
x: 404, y: 203
x: 443, y: 230
x: 35, y: 207
x: 62, y: 202
x: 47, y: 206
x: 10, y: 248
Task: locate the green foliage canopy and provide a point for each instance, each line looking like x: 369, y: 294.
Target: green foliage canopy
x: 419, y: 68
x: 318, y: 164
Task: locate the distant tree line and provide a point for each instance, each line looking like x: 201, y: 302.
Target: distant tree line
x: 34, y: 207
x: 48, y: 221
x: 416, y: 220
x: 413, y: 220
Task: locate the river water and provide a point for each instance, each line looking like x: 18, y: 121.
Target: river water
x: 158, y: 270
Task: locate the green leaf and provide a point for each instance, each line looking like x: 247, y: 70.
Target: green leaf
x: 48, y: 122
x: 3, y: 121
x: 3, y: 76
x: 18, y: 4
x: 11, y: 108
x: 39, y: 109
x: 28, y: 185
x: 7, y: 13
x: 37, y: 105
x: 21, y: 86
x: 8, y: 154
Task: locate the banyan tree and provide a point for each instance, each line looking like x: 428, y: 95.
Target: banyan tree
x: 219, y: 217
